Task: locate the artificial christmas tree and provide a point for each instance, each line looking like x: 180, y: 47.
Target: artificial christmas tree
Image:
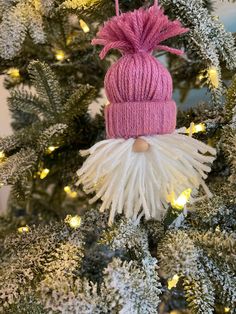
x: 58, y: 254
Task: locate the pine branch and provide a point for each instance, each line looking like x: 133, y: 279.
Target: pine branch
x: 178, y: 254
x: 199, y: 293
x: 24, y: 259
x: 17, y: 19
x: 129, y: 235
x: 155, y: 229
x: 228, y: 146
x: 56, y: 286
x: 83, y: 96
x: 52, y: 136
x: 12, y: 26
x: 9, y: 143
x: 207, y: 39
x: 26, y: 305
x: 230, y: 104
x: 44, y: 265
x: 219, y: 245
x: 207, y: 33
x: 212, y: 213
x: 46, y: 85
x: 18, y: 165
x: 21, y: 190
x: 138, y: 288
x: 27, y: 137
x: 22, y: 120
x: 26, y: 102
x: 36, y: 25
x: 224, y: 281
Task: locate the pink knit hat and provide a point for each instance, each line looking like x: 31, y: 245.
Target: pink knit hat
x: 138, y: 87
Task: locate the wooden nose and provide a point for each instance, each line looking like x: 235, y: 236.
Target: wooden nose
x: 140, y: 146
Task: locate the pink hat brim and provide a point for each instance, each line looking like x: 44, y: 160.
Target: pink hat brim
x: 133, y: 119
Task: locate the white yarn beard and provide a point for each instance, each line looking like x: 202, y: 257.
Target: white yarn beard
x: 138, y: 184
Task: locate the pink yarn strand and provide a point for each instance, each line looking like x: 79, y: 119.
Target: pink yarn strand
x: 169, y: 49
x: 156, y: 3
x: 138, y: 31
x: 117, y: 7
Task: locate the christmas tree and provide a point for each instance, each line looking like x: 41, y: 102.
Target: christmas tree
x: 58, y: 252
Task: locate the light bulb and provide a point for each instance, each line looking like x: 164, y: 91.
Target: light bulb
x: 84, y: 26
x: 69, y: 192
x: 44, y: 173
x: 14, y: 73
x: 213, y: 76
x: 60, y: 55
x: 51, y: 149
x: 67, y: 189
x: 196, y: 128
x: 182, y: 200
x: 172, y: 282
x: 73, y: 221
x: 69, y: 39
x: 24, y: 229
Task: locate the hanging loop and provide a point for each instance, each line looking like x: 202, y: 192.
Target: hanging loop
x: 117, y: 7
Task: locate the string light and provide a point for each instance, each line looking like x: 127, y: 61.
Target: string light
x: 227, y: 309
x: 51, y: 149
x: 14, y: 73
x: 181, y: 201
x: 196, y: 128
x: 213, y: 76
x: 60, y: 55
x: 2, y: 156
x: 172, y: 283
x: 73, y: 221
x: 44, y: 173
x: 70, y: 38
x: 24, y: 229
x: 84, y: 26
x: 217, y: 229
x: 69, y: 192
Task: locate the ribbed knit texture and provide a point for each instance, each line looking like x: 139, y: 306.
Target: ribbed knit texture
x: 133, y: 119
x: 138, y: 87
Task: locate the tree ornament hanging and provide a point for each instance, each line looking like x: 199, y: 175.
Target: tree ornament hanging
x: 144, y: 159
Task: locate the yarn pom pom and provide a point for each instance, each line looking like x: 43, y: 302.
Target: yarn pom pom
x: 138, y: 31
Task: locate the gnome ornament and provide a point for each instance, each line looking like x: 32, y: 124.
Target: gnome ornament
x: 144, y: 160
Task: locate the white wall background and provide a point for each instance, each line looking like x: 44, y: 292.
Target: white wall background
x: 227, y: 13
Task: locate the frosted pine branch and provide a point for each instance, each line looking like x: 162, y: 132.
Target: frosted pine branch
x: 46, y: 85
x: 18, y: 165
x: 51, y: 136
x: 16, y: 21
